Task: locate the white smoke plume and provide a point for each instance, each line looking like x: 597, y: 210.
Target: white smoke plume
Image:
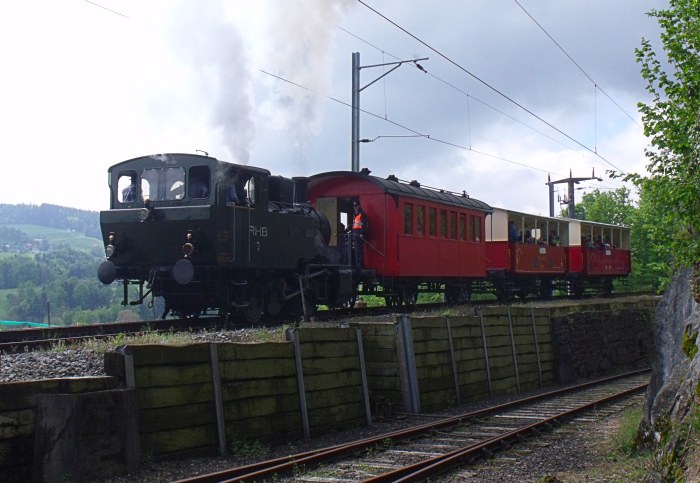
x: 226, y: 45
x: 213, y: 46
x: 300, y: 37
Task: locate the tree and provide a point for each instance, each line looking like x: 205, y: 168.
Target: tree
x: 613, y: 207
x: 649, y: 266
x: 672, y: 188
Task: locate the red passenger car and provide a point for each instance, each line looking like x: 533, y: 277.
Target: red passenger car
x: 418, y: 237
x: 526, y: 254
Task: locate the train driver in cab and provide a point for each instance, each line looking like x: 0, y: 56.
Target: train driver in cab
x: 360, y: 224
x: 236, y: 192
x: 130, y: 192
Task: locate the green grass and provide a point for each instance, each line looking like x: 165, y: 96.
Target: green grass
x: 13, y: 254
x: 57, y: 236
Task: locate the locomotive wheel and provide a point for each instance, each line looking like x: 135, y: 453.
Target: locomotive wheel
x: 254, y: 310
x: 275, y: 303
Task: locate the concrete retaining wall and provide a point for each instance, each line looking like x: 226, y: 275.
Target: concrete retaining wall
x: 199, y: 398
x: 430, y: 363
x: 18, y: 404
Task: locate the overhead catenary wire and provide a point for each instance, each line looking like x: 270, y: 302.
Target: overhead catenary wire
x: 108, y: 9
x: 402, y: 126
x: 597, y: 86
x: 468, y: 96
x: 487, y: 85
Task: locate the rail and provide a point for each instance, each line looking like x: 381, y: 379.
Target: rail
x: 277, y: 467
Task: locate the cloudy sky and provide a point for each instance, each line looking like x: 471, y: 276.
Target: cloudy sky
x: 513, y: 91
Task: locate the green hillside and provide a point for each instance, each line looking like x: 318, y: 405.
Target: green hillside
x: 57, y: 237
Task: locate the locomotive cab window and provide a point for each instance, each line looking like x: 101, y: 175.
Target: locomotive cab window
x: 198, y: 182
x: 163, y: 184
x: 127, y: 187
x: 251, y: 185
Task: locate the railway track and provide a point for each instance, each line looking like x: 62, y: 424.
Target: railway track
x: 42, y: 338
x: 431, y: 449
x: 45, y: 337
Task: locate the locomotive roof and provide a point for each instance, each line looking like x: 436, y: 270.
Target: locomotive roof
x: 395, y: 187
x: 185, y: 158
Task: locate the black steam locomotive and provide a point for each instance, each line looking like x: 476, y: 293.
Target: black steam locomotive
x: 211, y: 236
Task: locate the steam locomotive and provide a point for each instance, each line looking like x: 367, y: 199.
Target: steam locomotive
x: 215, y: 237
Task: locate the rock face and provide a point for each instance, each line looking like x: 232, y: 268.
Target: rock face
x: 673, y: 394
x: 676, y: 314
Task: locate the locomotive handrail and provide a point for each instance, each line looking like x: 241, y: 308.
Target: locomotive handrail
x: 374, y: 248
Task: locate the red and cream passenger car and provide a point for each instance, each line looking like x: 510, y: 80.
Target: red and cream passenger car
x: 597, y: 254
x: 526, y: 254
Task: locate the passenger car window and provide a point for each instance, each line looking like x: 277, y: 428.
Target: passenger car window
x: 420, y: 220
x: 408, y: 219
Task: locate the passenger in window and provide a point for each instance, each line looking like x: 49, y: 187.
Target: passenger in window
x: 512, y: 232
x: 554, y: 239
x: 198, y: 188
x: 129, y: 193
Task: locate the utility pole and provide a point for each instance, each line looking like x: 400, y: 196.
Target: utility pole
x: 356, y: 89
x: 570, y: 201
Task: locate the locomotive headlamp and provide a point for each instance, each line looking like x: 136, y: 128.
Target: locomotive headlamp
x: 187, y: 249
x: 109, y: 250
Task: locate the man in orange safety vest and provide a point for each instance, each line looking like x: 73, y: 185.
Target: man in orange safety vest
x: 360, y: 225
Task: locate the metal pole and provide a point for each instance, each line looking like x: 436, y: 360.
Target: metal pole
x: 355, y: 134
x: 572, y: 211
